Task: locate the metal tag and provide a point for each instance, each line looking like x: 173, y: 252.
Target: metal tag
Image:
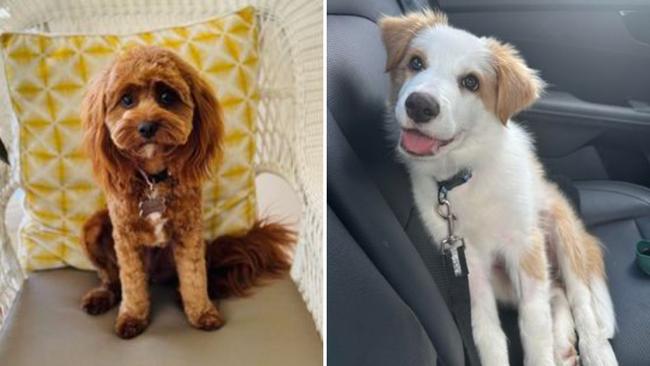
x: 450, y: 247
x: 151, y: 205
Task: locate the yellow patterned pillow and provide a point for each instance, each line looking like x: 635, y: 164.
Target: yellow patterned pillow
x: 47, y: 76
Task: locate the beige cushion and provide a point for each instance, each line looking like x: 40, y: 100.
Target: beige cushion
x: 47, y: 327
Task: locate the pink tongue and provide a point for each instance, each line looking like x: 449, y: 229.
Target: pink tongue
x: 418, y: 143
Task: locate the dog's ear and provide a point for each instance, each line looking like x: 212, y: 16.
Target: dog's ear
x: 517, y: 85
x: 195, y: 159
x: 110, y: 167
x: 397, y: 32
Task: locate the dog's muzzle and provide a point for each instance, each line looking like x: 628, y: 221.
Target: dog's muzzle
x: 421, y: 107
x: 147, y: 129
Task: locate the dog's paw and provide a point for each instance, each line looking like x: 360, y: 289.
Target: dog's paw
x: 98, y: 301
x: 209, y: 320
x: 597, y: 353
x: 567, y: 356
x: 127, y: 326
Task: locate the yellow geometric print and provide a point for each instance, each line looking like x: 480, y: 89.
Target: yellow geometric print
x: 47, y: 78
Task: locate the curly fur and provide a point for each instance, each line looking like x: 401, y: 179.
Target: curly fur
x: 152, y: 85
x: 238, y: 263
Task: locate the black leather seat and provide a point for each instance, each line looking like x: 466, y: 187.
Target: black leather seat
x: 384, y: 308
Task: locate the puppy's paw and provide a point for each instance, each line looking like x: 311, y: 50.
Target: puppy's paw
x: 567, y: 356
x: 128, y: 326
x: 209, y: 320
x: 98, y: 301
x: 607, y: 354
x: 597, y: 353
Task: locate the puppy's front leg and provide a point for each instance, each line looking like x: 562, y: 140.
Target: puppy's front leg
x: 133, y: 316
x: 531, y: 282
x: 491, y: 341
x: 190, y: 264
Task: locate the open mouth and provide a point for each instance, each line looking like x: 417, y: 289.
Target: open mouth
x: 417, y: 143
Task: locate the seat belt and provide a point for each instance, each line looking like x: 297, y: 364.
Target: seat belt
x: 454, y: 290
x: 448, y: 269
x: 455, y: 265
x: 460, y: 306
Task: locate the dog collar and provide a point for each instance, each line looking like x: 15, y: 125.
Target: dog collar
x: 458, y: 179
x: 152, y: 179
x: 158, y: 177
x: 152, y: 203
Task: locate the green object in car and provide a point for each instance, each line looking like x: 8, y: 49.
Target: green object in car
x: 643, y: 255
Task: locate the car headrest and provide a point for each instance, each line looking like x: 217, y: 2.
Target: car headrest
x: 371, y: 9
x: 357, y: 93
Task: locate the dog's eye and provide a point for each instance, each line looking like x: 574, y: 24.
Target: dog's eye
x: 470, y: 82
x: 167, y: 97
x: 416, y: 64
x: 127, y: 100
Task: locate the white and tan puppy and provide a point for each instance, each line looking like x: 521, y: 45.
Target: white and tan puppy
x: 453, y: 95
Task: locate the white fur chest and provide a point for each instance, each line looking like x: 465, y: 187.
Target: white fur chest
x: 496, y: 209
x: 484, y: 221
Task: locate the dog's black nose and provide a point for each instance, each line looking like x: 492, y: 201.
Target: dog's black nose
x: 421, y: 107
x: 147, y: 129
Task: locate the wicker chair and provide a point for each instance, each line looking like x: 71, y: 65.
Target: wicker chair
x: 289, y: 145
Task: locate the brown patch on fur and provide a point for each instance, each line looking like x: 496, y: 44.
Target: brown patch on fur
x: 401, y: 73
x: 237, y: 263
x: 488, y: 91
x: 397, y: 33
x: 582, y: 249
x: 594, y: 262
x: 518, y: 86
x: 534, y: 262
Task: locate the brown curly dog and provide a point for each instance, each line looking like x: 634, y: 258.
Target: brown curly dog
x: 153, y: 128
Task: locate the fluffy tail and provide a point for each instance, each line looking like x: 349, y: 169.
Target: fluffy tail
x: 238, y: 263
